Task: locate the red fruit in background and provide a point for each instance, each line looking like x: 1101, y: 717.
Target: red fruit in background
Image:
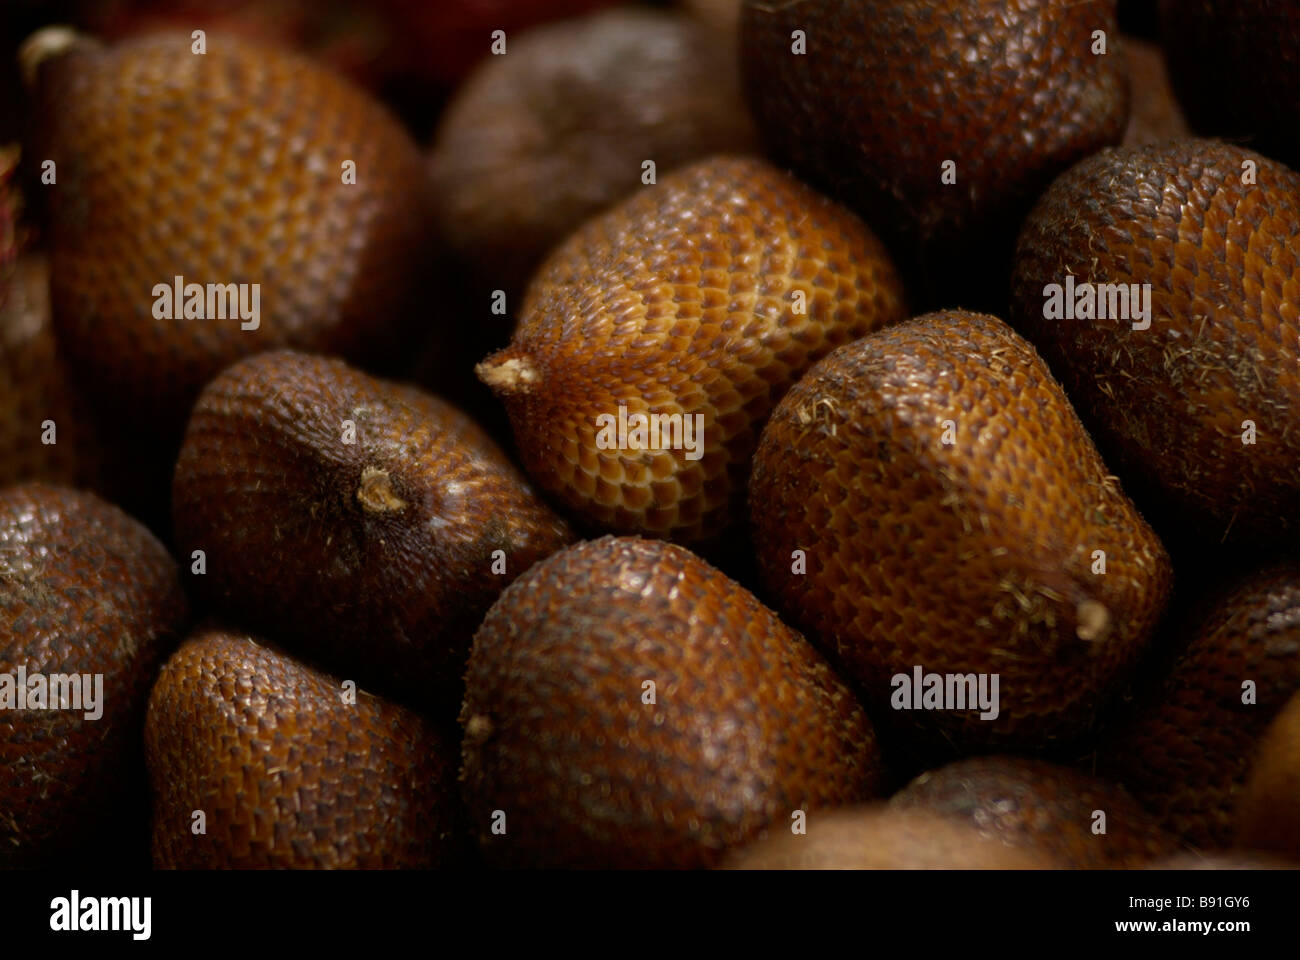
x: 372, y: 41
x: 345, y: 34
x: 445, y: 38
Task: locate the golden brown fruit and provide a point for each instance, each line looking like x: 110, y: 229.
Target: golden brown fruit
x: 1170, y: 403
x: 1186, y: 753
x: 1268, y: 810
x: 227, y: 167
x: 627, y: 705
x: 39, y: 400
x: 1040, y: 806
x: 541, y: 139
x: 85, y: 591
x: 1155, y: 114
x: 360, y: 521
x: 1236, y: 67
x: 706, y: 295
x: 290, y: 768
x: 950, y: 507
x: 884, y: 838
x: 887, y: 93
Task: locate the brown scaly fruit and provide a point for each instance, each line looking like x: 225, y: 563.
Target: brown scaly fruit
x: 887, y: 93
x: 1037, y: 805
x: 84, y: 590
x: 707, y: 294
x: 227, y: 167
x: 290, y: 768
x: 541, y: 139
x: 1169, y: 404
x: 360, y: 521
x: 883, y: 838
x: 1155, y: 113
x: 46, y: 425
x: 1236, y: 67
x: 627, y: 705
x: 949, y: 507
x: 1186, y: 752
x: 1268, y: 810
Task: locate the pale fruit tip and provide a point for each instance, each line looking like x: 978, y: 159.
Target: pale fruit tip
x: 507, y: 375
x: 376, y: 492
x: 45, y: 43
x: 1093, y: 619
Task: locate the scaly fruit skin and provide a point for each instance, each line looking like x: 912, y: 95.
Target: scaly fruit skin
x: 538, y: 141
x: 84, y: 589
x: 1186, y: 752
x: 1036, y: 805
x: 225, y: 167
x: 683, y: 300
x: 36, y: 386
x: 1268, y: 811
x: 287, y: 773
x: 888, y: 92
x: 970, y: 557
x: 377, y: 555
x: 884, y: 838
x: 747, y: 722
x: 1236, y: 67
x: 1169, y: 403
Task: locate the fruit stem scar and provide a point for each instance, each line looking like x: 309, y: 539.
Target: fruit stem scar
x: 507, y: 374
x: 1094, y: 620
x: 45, y: 44
x: 376, y: 493
x: 479, y: 727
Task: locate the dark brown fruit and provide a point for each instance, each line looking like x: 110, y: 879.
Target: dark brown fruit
x: 380, y: 555
x: 38, y: 395
x: 1155, y: 113
x: 286, y: 771
x: 722, y: 16
x: 1236, y: 67
x: 1229, y: 860
x: 883, y: 838
x: 1186, y: 753
x: 539, y: 140
x: 1268, y: 811
x: 1042, y: 807
x: 84, y: 589
x: 1170, y: 403
x: 221, y: 168
x: 685, y: 300
x: 888, y: 92
x: 627, y: 705
x: 975, y: 556
x: 11, y: 202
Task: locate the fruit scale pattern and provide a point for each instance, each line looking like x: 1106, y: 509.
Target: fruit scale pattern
x: 886, y: 456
